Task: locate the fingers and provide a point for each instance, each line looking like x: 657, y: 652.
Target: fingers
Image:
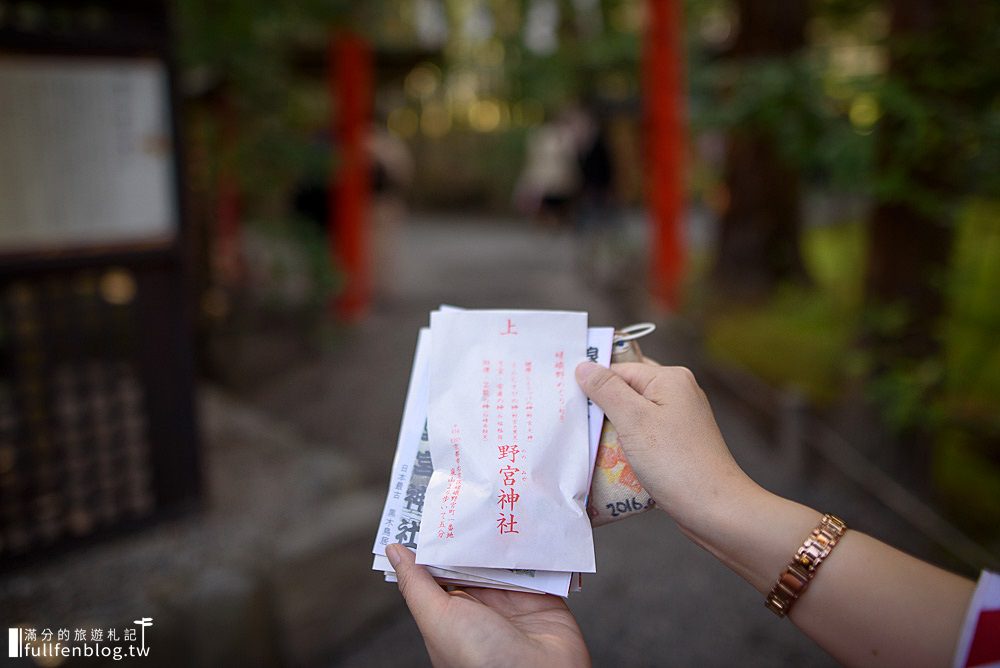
x: 609, y: 390
x: 640, y: 377
x: 424, y: 597
x: 650, y: 381
x: 516, y: 602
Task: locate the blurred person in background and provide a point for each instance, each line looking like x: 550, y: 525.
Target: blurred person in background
x: 597, y: 212
x: 392, y: 175
x: 550, y: 181
x: 311, y: 193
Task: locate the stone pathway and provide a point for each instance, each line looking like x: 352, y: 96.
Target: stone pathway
x: 275, y: 569
x: 656, y: 599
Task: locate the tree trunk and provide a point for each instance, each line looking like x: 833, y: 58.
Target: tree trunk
x: 908, y: 255
x: 909, y: 245
x: 758, y: 245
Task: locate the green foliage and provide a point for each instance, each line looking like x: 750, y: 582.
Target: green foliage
x: 968, y: 481
x: 835, y: 255
x: 790, y: 99
x: 246, y: 59
x: 799, y: 339
x: 551, y: 80
x: 940, y: 136
x: 972, y: 329
x: 940, y: 112
x: 823, y: 320
x: 803, y: 336
x: 961, y: 386
x: 905, y: 118
x: 908, y: 394
x: 941, y: 102
x: 784, y: 98
x: 292, y: 262
x: 844, y: 13
x: 606, y: 65
x: 806, y: 338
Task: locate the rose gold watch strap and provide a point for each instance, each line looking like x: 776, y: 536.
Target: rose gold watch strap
x: 797, y: 575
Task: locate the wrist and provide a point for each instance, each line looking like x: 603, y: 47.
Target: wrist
x: 709, y: 516
x: 706, y: 512
x: 754, y: 532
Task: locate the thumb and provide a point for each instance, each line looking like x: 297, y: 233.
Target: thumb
x: 620, y: 402
x: 423, y: 596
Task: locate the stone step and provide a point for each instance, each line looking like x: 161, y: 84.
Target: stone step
x: 274, y: 569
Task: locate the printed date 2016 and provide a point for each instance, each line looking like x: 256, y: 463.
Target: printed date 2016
x: 621, y: 507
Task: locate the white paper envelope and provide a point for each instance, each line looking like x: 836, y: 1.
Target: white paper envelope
x: 400, y: 519
x: 404, y: 501
x: 509, y: 439
x: 599, y: 342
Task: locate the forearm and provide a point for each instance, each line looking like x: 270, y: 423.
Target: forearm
x: 869, y: 604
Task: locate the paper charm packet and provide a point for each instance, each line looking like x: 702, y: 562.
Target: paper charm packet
x: 614, y: 492
x: 509, y: 438
x: 405, y: 500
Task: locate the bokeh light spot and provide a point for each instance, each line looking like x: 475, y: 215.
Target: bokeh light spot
x: 118, y: 287
x: 403, y: 122
x: 422, y: 81
x: 864, y: 112
x: 484, y: 115
x: 435, y: 121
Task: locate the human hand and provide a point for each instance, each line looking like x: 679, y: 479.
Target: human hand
x: 488, y: 627
x: 671, y: 439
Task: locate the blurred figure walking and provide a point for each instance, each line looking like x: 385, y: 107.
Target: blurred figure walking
x: 392, y: 175
x: 597, y: 213
x: 551, y: 179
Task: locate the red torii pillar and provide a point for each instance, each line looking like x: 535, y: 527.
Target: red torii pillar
x: 350, y: 71
x: 227, y: 256
x: 664, y: 101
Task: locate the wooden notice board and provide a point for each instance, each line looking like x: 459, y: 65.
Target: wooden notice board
x: 97, y: 423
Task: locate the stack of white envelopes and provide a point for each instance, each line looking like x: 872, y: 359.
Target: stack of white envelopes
x: 496, y: 451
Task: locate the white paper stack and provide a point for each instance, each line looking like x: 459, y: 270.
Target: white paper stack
x: 496, y: 450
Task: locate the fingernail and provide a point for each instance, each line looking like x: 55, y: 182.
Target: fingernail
x: 392, y: 553
x: 585, y: 370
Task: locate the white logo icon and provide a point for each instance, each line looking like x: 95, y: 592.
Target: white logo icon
x: 29, y: 642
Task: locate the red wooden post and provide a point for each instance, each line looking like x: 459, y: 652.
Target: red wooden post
x: 348, y: 228
x: 664, y: 99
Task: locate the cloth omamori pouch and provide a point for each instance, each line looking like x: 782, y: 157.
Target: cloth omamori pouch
x: 615, y: 491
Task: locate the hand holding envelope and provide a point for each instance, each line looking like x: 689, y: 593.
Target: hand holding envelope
x: 493, y: 490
